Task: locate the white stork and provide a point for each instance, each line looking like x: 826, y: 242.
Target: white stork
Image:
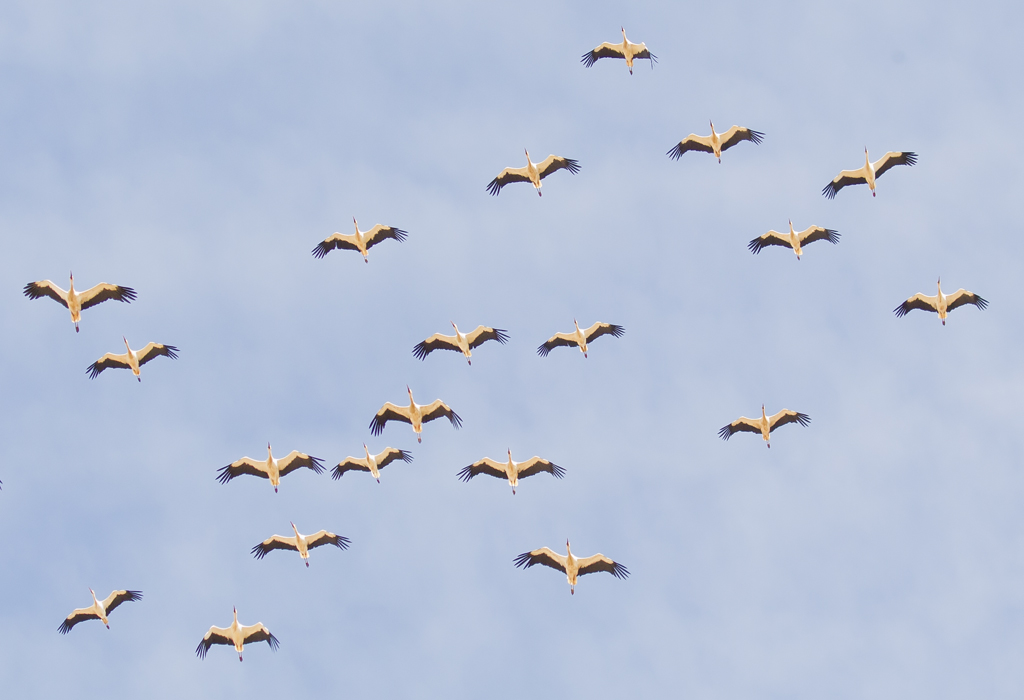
x: 764, y: 425
x: 415, y: 414
x: 572, y: 567
x: 941, y: 303
x: 300, y: 543
x: 460, y: 342
x: 626, y: 50
x: 371, y: 463
x: 360, y: 240
x: 716, y: 143
x: 513, y: 471
x: 794, y: 239
x: 98, y: 610
x: 533, y: 172
x: 236, y: 635
x: 271, y: 468
x: 77, y: 301
x: 131, y: 360
x: 869, y: 172
x: 579, y: 337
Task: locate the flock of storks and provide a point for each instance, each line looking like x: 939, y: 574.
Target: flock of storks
x: 416, y: 414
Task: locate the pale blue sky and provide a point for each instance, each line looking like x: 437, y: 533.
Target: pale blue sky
x: 198, y: 151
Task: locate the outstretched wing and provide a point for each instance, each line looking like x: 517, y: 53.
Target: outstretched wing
x: 259, y: 633
x: 918, y: 301
x: 155, y: 350
x: 543, y: 556
x: 844, y: 178
x: 786, y: 416
x: 553, y: 163
x: 481, y: 334
x: 350, y: 464
x: 505, y: 177
x: 389, y: 455
x: 893, y: 158
x: 319, y: 539
x: 272, y: 543
x: 740, y: 425
x: 388, y: 411
x: 380, y: 233
x: 767, y: 239
x: 599, y: 329
x: 106, y: 362
x: 641, y: 51
x: 557, y: 340
x: 735, y: 134
x: 434, y: 342
x: 961, y: 297
x: 599, y: 562
x: 485, y: 466
x: 297, y: 460
x: 439, y: 409
x: 818, y: 233
x: 118, y: 597
x: 79, y: 615
x: 343, y: 241
x: 690, y: 143
x: 46, y: 288
x: 216, y: 635
x: 536, y: 465
x: 103, y: 292
x: 243, y: 466
x: 605, y: 50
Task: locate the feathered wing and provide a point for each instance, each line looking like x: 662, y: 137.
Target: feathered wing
x: 605, y: 50
x: 543, y: 556
x: 381, y: 233
x: 435, y: 342
x: 104, y: 292
x: 505, y: 177
x: 46, y: 288
x: 297, y: 460
x: 484, y: 466
x: 843, y: 179
x: 767, y: 239
x: 481, y: 334
x: 389, y: 455
x: 536, y: 465
x: 818, y: 233
x: 961, y: 297
x: 734, y: 134
x: 350, y: 464
x: 919, y: 301
x: 343, y: 241
x: 118, y: 597
x: 557, y: 340
x: 740, y: 425
x: 215, y: 635
x: 323, y: 537
x: 641, y: 51
x: 599, y: 329
x: 258, y: 633
x: 439, y: 409
x: 599, y: 562
x: 553, y: 163
x: 78, y: 615
x: 272, y: 543
x: 690, y: 143
x: 107, y: 362
x: 388, y: 411
x: 893, y: 158
x: 786, y: 416
x: 245, y: 465
x: 152, y: 350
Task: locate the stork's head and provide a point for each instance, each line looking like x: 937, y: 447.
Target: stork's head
x: 409, y: 390
x: 268, y: 448
x: 126, y: 342
x: 294, y: 529
x: 791, y: 226
x: 567, y: 544
x: 575, y: 324
x: 527, y: 155
x: 234, y: 611
x: 623, y: 30
x: 355, y: 223
x: 72, y: 273
x: 92, y: 593
x: 762, y: 409
x: 454, y: 326
x: 510, y: 454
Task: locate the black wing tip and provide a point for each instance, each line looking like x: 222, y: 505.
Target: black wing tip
x: 676, y: 152
x: 902, y: 310
x: 376, y: 426
x: 501, y: 335
x: 619, y: 571
x: 337, y: 472
x: 420, y: 351
x: 126, y: 294
x: 572, y: 165
x: 316, y: 464
x: 172, y: 352
x: 405, y: 456
x: 134, y: 595
x: 588, y: 59
x: 64, y: 627
x: 803, y: 419
x: 557, y: 471
x: 725, y: 433
x: 202, y: 649
x: 494, y: 187
x: 618, y: 331
x: 543, y: 350
x: 466, y: 473
x: 399, y: 234
x: 756, y: 136
x: 93, y: 370
x: 522, y: 561
x: 342, y: 543
x: 832, y: 235
x: 272, y: 641
x: 910, y: 157
x: 258, y: 551
x: 224, y: 474
x: 829, y: 190
x: 321, y: 250
x: 980, y: 302
x: 755, y: 246
x: 455, y: 420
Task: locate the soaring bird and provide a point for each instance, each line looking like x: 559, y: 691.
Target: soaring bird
x: 77, y: 301
x: 360, y: 240
x: 626, y: 50
x: 236, y: 635
x: 371, y: 463
x: 793, y: 239
x: 513, y: 471
x: 460, y: 342
x: 533, y: 172
x: 270, y: 468
x: 764, y: 425
x: 414, y: 414
x: 941, y: 303
x: 300, y: 543
x: 131, y: 360
x: 98, y: 610
x: 869, y: 172
x: 572, y: 567
x: 580, y: 338
x: 716, y: 143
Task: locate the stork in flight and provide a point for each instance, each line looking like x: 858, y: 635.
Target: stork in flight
x: 794, y: 239
x: 941, y: 303
x: 236, y: 635
x: 131, y: 360
x: 869, y: 172
x: 415, y: 414
x: 572, y: 567
x: 764, y: 425
x: 360, y: 240
x: 579, y: 337
x: 271, y: 468
x: 460, y: 342
x: 716, y: 143
x: 98, y: 610
x: 77, y: 301
x: 533, y: 172
x: 513, y: 471
x: 626, y: 50
x: 300, y: 543
x: 371, y: 463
